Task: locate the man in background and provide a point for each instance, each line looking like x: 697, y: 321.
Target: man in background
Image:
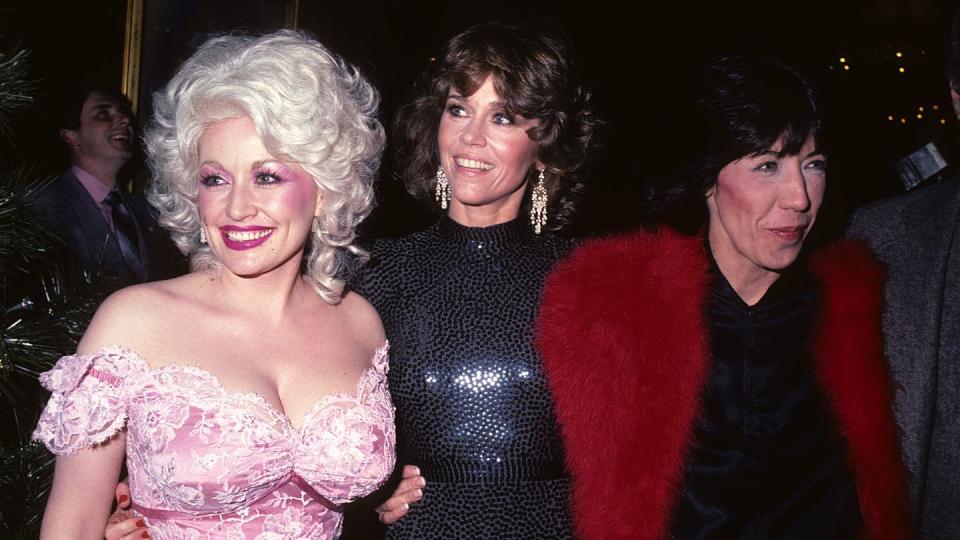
x: 917, y: 235
x: 106, y: 230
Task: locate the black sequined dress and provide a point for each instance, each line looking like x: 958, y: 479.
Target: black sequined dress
x: 473, y: 408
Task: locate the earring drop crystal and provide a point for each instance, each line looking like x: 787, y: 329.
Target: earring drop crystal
x: 443, y: 188
x: 538, y: 205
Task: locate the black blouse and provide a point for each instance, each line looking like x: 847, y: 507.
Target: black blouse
x: 766, y: 459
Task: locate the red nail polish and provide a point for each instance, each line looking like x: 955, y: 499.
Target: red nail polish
x: 122, y: 499
x: 141, y: 523
x: 145, y: 535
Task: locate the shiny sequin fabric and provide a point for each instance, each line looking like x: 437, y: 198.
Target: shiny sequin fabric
x: 473, y: 408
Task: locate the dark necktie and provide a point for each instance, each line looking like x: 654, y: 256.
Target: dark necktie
x: 126, y: 233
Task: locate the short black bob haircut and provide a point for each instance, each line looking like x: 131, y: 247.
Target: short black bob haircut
x: 735, y: 107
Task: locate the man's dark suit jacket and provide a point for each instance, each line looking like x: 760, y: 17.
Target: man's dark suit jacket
x: 918, y: 236
x: 67, y: 208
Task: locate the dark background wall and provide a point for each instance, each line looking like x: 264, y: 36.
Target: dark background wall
x: 632, y: 53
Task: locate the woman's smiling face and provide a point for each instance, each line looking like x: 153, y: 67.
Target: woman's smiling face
x: 762, y: 208
x: 486, y: 155
x: 257, y: 209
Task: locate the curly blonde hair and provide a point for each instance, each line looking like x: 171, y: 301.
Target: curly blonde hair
x: 307, y: 104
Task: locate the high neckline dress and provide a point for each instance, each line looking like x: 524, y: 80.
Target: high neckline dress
x: 473, y: 408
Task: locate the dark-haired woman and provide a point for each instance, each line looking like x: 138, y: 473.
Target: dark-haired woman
x: 498, y: 139
x: 725, y: 385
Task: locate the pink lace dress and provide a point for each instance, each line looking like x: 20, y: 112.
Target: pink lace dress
x: 208, y: 463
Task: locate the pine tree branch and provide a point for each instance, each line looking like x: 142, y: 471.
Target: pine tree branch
x: 45, y: 309
x: 26, y: 471
x: 16, y: 90
x: 25, y: 243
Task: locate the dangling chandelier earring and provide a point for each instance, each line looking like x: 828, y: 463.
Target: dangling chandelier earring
x: 443, y: 188
x: 203, y: 234
x: 538, y: 205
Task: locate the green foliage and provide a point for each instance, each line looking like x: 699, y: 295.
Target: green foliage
x: 26, y: 470
x: 16, y: 90
x: 24, y: 243
x: 45, y: 309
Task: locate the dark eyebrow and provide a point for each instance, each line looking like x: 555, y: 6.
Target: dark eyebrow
x: 497, y: 104
x: 107, y: 106
x: 778, y: 155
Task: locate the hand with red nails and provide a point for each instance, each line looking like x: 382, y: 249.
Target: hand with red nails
x: 122, y: 524
x: 410, y: 490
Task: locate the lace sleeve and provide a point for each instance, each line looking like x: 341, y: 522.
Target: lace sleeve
x: 86, y: 406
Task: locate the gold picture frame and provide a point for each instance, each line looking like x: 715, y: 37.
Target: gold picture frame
x: 133, y: 43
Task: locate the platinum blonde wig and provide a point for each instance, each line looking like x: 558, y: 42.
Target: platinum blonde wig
x: 308, y: 105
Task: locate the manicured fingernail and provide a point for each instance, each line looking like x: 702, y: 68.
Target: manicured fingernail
x: 406, y: 506
x: 145, y: 535
x: 421, y: 481
x: 140, y: 523
x: 416, y: 471
x: 122, y: 499
x: 418, y: 493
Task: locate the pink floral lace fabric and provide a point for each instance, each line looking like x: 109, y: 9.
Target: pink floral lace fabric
x: 207, y: 463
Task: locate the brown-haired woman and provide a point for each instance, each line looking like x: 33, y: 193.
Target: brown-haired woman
x: 498, y: 139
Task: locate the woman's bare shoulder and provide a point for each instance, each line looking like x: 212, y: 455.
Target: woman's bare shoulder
x: 136, y: 314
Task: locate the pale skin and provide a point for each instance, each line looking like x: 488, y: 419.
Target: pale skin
x: 255, y: 322
x: 761, y: 209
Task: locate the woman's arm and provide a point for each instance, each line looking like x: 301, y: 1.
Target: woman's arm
x: 82, y: 492
x: 84, y: 481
